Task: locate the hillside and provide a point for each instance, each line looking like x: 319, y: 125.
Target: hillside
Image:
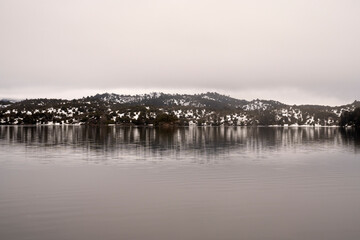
x: 154, y: 108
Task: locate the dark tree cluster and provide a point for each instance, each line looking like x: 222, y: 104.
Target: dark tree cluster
x: 165, y: 119
x: 351, y: 118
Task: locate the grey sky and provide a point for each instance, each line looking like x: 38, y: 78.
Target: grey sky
x: 304, y: 51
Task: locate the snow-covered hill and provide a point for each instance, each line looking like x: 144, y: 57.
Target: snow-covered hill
x: 205, y: 100
x: 200, y: 109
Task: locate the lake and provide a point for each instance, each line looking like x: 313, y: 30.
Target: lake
x: 203, y: 183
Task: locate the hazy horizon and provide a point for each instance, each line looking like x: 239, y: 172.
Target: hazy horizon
x: 170, y: 92
x: 296, y: 52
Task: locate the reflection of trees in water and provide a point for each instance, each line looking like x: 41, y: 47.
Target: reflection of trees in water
x: 351, y: 136
x: 184, y: 141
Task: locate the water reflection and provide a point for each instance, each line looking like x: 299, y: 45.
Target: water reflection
x: 303, y: 184
x: 152, y: 143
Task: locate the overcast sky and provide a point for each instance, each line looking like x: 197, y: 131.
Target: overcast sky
x: 304, y: 51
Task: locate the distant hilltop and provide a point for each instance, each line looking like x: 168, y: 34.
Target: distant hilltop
x: 205, y: 109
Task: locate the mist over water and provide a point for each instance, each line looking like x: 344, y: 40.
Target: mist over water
x: 88, y: 182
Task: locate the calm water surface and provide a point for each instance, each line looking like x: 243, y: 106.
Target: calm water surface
x: 77, y: 182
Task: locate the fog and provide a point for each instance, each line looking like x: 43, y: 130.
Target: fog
x: 291, y: 51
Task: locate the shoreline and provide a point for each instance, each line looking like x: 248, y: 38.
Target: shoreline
x: 174, y: 126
